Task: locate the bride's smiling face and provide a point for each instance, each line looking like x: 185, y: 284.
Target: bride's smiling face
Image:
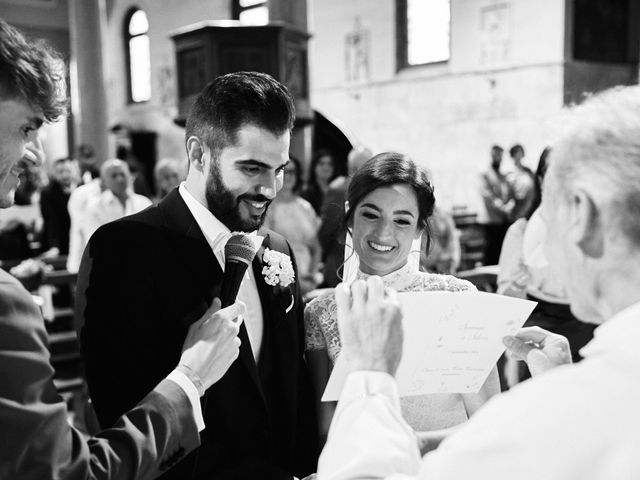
x: 385, y: 223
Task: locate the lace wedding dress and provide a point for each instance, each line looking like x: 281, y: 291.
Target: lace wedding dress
x: 423, y: 412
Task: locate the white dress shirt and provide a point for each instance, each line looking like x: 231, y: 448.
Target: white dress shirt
x: 106, y: 208
x: 77, y: 207
x: 217, y: 235
x: 576, y: 422
x: 191, y: 391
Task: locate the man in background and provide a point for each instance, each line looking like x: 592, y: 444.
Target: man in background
x: 117, y: 200
x: 499, y: 201
x: 522, y: 182
x: 53, y: 205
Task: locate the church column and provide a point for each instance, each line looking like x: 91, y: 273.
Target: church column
x: 88, y: 26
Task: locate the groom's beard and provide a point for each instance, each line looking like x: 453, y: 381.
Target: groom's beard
x: 226, y: 207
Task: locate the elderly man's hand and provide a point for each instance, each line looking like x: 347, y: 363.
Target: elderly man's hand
x: 542, y: 350
x: 370, y: 324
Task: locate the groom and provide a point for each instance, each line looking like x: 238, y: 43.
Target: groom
x: 141, y: 273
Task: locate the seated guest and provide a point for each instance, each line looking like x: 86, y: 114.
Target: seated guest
x: 116, y: 201
x: 294, y: 218
x: 168, y: 174
x: 575, y: 422
x: 440, y: 246
x: 53, y: 205
x: 390, y: 202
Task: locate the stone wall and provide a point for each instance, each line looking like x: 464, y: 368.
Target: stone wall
x: 503, y: 80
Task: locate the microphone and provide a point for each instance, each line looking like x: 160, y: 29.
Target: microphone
x: 238, y: 253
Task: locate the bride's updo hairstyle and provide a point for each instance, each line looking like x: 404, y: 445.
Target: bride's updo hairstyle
x: 387, y: 169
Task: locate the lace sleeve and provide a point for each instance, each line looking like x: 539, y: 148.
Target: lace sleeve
x: 454, y: 284
x: 314, y: 338
x: 429, y: 282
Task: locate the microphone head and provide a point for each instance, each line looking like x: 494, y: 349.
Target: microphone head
x: 239, y: 249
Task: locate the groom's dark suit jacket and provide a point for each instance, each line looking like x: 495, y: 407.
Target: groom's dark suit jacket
x: 144, y: 279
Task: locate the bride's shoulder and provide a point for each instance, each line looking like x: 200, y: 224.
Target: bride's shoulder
x: 447, y: 283
x: 321, y: 303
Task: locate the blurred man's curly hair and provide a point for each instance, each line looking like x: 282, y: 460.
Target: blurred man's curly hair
x: 31, y: 71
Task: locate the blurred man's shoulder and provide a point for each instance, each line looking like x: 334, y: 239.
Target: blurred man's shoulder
x: 339, y: 184
x: 146, y: 224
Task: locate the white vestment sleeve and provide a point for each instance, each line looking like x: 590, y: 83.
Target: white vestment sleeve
x: 368, y: 437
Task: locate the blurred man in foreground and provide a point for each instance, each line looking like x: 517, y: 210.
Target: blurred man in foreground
x: 573, y: 422
x: 37, y: 442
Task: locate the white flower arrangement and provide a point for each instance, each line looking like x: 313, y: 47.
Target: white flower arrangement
x: 278, y: 269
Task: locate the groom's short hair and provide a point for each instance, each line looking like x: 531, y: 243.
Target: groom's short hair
x: 31, y: 72
x: 231, y: 101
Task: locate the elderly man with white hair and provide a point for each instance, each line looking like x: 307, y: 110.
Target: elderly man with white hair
x: 116, y: 201
x: 577, y: 421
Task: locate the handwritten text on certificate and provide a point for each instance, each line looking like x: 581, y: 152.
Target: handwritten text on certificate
x: 451, y: 341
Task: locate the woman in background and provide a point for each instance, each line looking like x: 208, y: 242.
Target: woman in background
x: 294, y: 218
x: 321, y: 172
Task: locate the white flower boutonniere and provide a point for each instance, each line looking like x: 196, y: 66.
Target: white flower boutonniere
x: 278, y: 269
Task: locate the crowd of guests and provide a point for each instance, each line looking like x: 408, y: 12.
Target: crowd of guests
x: 56, y: 214
x: 507, y: 195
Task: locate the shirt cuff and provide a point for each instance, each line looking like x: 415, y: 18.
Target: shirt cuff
x: 366, y: 383
x: 190, y: 389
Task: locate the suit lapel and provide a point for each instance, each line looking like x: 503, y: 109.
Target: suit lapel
x: 264, y: 291
x: 280, y: 325
x: 201, y: 271
x: 200, y: 261
x: 245, y: 356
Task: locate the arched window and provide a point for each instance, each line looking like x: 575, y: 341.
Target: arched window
x: 250, y: 12
x: 138, y: 56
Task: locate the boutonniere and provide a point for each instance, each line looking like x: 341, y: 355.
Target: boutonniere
x: 278, y: 269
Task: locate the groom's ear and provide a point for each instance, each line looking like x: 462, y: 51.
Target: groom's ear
x: 195, y: 152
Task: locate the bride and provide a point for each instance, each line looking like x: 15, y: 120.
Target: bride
x: 390, y: 200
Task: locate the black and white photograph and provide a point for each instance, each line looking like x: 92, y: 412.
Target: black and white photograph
x: 320, y: 239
